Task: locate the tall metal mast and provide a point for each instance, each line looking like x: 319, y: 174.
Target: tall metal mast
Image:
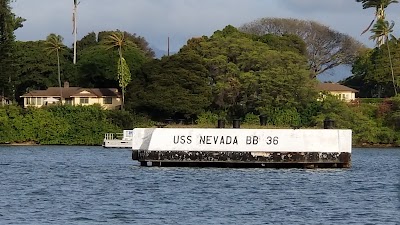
x: 74, y: 27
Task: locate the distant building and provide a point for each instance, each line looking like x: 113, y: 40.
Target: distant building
x: 342, y: 92
x: 108, y: 98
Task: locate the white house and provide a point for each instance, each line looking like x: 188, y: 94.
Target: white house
x: 108, y: 98
x: 342, y: 92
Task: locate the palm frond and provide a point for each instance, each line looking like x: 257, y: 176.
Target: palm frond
x: 372, y: 22
x: 117, y: 40
x: 54, y: 43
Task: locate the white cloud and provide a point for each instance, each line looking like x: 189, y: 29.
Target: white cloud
x: 181, y: 19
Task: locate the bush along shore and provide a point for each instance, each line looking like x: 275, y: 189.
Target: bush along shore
x: 373, y: 124
x: 62, y: 125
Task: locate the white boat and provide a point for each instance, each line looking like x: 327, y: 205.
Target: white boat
x: 118, y: 140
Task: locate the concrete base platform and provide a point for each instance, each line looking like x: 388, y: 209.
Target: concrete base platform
x: 243, y: 159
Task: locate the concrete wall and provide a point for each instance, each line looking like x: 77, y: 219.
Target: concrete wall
x: 273, y: 148
x: 241, y: 140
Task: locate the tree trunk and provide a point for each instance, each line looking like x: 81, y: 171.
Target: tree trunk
x: 59, y: 75
x: 391, y: 70
x: 123, y: 99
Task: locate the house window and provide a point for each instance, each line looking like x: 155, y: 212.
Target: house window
x: 39, y: 101
x: 33, y: 101
x: 84, y: 100
x: 68, y: 101
x: 107, y: 100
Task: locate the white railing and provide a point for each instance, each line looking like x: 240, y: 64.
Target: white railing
x: 113, y: 136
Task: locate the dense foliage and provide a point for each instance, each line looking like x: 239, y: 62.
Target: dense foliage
x: 63, y: 125
x: 246, y: 75
x: 267, y: 70
x: 9, y: 22
x: 372, y: 72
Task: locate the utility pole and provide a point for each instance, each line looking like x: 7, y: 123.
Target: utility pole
x: 168, y: 47
x: 74, y: 27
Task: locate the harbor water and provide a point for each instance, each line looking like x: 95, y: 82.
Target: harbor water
x: 93, y: 185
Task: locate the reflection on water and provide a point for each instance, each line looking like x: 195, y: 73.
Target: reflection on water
x: 92, y: 185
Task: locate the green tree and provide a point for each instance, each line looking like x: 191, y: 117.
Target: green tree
x: 366, y: 130
x: 381, y: 31
x: 380, y: 14
x: 117, y: 40
x: 87, y: 41
x: 55, y: 45
x: 175, y: 86
x: 95, y: 66
x: 249, y: 76
x: 286, y: 42
x: 139, y: 41
x: 9, y: 22
x: 34, y: 70
x: 371, y: 72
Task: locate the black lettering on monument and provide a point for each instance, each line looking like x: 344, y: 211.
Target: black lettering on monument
x: 272, y: 140
x: 216, y: 140
x: 182, y: 139
x: 255, y: 140
x: 209, y: 140
x: 176, y: 139
x: 252, y: 140
x: 202, y: 140
x: 248, y: 140
x: 228, y: 140
x: 269, y: 140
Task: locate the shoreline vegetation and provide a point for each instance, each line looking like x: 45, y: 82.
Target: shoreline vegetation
x: 86, y: 125
x: 229, y: 75
x: 266, y: 67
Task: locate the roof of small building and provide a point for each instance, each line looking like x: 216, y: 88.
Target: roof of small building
x: 69, y: 92
x: 334, y: 87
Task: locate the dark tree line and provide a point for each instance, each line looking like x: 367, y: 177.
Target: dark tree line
x: 262, y: 68
x: 9, y: 22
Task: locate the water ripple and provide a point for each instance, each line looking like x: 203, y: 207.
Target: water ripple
x: 92, y: 185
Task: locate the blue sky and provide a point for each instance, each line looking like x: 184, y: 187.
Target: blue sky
x: 182, y: 19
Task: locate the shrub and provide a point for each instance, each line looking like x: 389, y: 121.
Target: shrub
x: 207, y: 118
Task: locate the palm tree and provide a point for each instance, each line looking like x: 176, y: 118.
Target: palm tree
x: 382, y: 29
x: 55, y: 44
x: 380, y: 14
x: 117, y: 40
